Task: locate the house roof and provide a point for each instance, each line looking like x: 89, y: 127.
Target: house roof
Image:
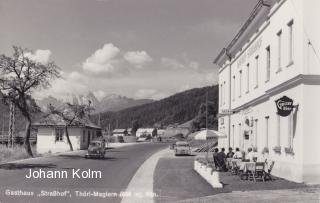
x: 119, y: 130
x: 147, y: 130
x: 52, y: 120
x: 257, y: 17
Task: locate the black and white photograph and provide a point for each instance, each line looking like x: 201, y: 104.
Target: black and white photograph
x: 159, y: 101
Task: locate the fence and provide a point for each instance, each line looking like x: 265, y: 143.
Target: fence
x: 17, y: 139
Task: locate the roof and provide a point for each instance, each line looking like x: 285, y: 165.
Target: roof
x: 119, y: 130
x: 257, y: 17
x: 52, y: 120
x: 142, y: 130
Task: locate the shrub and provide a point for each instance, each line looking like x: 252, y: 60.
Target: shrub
x: 11, y: 154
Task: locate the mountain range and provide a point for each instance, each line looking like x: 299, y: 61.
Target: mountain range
x: 173, y: 110
x: 110, y: 102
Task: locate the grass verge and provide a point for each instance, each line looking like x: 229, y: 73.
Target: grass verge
x: 16, y: 153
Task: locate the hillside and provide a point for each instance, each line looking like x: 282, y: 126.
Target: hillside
x: 176, y: 109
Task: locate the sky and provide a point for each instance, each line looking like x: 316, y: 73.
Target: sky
x: 135, y: 48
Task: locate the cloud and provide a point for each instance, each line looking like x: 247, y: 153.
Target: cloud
x: 73, y: 83
x: 211, y: 78
x: 150, y: 94
x: 102, y: 60
x: 100, y: 94
x: 172, y: 63
x: 40, y: 56
x: 137, y: 58
x: 175, y: 64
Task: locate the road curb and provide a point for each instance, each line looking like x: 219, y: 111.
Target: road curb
x: 141, y: 184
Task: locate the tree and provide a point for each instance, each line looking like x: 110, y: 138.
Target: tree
x: 200, y: 120
x: 74, y: 114
x: 135, y: 127
x: 154, y: 132
x: 19, y: 77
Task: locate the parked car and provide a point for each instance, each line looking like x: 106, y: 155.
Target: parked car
x: 96, y: 149
x: 182, y: 148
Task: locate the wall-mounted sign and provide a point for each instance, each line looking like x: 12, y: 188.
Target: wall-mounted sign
x: 226, y: 111
x: 284, y: 106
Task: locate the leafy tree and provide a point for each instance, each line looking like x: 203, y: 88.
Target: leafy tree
x: 72, y: 115
x: 154, y: 132
x: 135, y: 126
x: 19, y: 77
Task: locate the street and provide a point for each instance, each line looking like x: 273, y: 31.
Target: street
x: 117, y: 169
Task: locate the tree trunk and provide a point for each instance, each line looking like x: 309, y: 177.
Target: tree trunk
x: 68, y: 138
x: 27, y: 138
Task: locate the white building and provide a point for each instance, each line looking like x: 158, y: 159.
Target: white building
x: 144, y: 132
x: 272, y: 59
x: 51, y: 134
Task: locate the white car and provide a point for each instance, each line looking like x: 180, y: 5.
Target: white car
x: 182, y: 148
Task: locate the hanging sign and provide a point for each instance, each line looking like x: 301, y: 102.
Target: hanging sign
x: 284, y: 106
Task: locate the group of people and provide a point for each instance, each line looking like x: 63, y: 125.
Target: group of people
x: 220, y: 158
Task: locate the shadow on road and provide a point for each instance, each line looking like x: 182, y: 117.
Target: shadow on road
x: 15, y: 166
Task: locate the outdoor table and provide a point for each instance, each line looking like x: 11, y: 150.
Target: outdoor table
x: 247, y: 166
x: 237, y: 162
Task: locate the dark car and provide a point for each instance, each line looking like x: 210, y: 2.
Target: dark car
x: 96, y: 149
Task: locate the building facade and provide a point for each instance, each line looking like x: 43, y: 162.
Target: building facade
x: 269, y: 86
x: 51, y: 135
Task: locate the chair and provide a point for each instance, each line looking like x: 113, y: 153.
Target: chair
x: 258, y: 172
x: 235, y: 168
x: 268, y: 173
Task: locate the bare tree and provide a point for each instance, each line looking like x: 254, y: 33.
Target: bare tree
x: 73, y: 115
x: 19, y: 77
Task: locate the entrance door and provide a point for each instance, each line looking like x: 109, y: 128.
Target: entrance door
x: 89, y: 138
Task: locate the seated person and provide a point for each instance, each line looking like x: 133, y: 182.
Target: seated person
x: 237, y: 154
x: 230, y: 153
x: 250, y: 155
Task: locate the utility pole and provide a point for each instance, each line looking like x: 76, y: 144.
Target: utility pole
x: 99, y: 120
x: 207, y: 124
x: 11, y: 125
x: 207, y: 111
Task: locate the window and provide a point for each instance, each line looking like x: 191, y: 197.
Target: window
x: 84, y: 136
x: 256, y: 132
x: 224, y: 92
x: 290, y: 48
x: 278, y: 130
x: 240, y: 82
x: 257, y: 71
x: 240, y: 136
x: 267, y: 131
x: 59, y: 134
x: 233, y: 136
x: 221, y: 94
x: 234, y: 88
x: 279, y: 34
x: 290, y: 131
x: 248, y: 77
x: 268, y: 63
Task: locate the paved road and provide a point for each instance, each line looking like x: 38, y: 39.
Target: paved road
x: 175, y: 179
x: 117, y: 170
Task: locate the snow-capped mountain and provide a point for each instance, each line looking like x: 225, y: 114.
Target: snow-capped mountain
x: 112, y: 102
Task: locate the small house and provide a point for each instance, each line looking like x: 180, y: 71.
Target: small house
x: 121, y: 132
x: 51, y: 135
